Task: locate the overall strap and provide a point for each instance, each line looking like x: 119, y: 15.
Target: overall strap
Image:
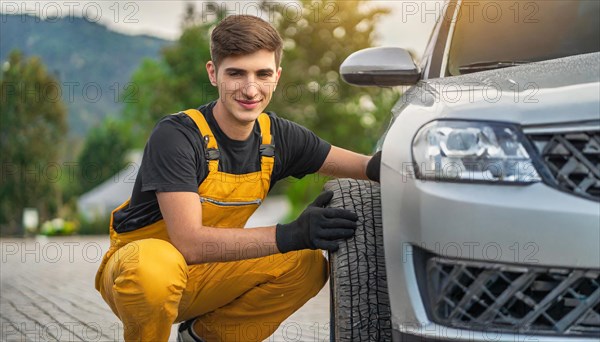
x: 267, y: 148
x: 211, y: 149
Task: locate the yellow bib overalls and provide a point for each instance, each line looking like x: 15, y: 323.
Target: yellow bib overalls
x: 148, y: 285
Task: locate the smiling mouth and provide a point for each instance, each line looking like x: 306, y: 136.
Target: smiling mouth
x: 248, y: 104
x: 248, y: 101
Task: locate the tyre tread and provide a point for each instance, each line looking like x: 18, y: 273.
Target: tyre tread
x: 360, y: 302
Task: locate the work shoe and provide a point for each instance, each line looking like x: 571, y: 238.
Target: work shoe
x: 186, y: 333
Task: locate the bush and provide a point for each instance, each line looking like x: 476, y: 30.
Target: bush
x: 59, y: 226
x: 301, y: 192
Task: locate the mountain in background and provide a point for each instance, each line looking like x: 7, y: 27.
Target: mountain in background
x: 92, y: 63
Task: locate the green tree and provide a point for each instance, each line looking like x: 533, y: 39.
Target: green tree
x: 33, y: 124
x: 104, y: 154
x: 311, y: 91
x: 176, y: 82
x: 151, y: 99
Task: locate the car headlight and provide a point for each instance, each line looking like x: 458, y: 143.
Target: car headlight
x: 449, y: 150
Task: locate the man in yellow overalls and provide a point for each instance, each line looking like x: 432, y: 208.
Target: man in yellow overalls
x: 178, y: 252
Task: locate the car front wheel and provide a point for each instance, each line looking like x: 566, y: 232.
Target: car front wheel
x: 360, y: 309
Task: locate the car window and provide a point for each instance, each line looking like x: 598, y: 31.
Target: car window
x: 495, y: 34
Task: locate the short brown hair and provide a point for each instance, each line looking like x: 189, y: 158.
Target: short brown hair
x: 238, y: 35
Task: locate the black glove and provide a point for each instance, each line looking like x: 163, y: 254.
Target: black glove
x: 374, y: 166
x: 317, y: 227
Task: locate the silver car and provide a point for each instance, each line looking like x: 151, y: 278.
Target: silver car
x: 486, y: 222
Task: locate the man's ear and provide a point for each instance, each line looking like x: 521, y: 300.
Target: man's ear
x: 211, y: 69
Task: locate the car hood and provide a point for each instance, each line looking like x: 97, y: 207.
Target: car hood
x: 550, y: 92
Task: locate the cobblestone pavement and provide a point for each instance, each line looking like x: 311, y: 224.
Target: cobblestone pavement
x: 47, y: 294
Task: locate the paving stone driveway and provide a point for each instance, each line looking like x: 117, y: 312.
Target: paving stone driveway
x: 47, y: 294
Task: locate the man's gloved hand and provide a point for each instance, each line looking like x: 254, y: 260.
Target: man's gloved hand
x: 317, y: 227
x: 374, y: 166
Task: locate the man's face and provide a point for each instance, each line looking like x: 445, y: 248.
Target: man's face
x: 246, y: 84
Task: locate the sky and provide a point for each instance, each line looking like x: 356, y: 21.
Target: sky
x: 408, y: 26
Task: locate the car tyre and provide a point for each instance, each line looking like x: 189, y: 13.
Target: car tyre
x: 360, y: 308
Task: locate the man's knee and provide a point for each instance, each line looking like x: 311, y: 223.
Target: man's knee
x: 311, y: 269
x: 151, y: 268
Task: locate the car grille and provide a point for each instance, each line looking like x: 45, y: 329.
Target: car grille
x: 572, y: 161
x: 504, y: 298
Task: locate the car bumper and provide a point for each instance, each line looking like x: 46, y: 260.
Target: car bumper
x: 531, y: 226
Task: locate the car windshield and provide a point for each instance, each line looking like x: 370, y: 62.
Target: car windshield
x: 496, y: 34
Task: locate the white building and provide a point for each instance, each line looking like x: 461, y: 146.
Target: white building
x: 101, y: 200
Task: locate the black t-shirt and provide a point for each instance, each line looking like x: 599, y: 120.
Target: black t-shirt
x: 174, y: 160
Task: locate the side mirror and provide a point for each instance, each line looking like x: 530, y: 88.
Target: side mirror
x: 380, y: 66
